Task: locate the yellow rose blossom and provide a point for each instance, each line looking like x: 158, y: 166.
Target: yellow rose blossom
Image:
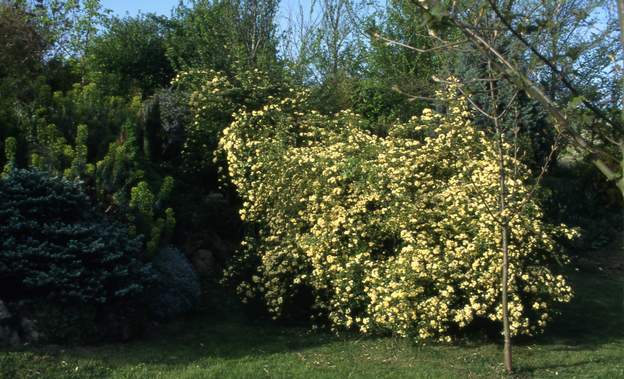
x: 385, y: 233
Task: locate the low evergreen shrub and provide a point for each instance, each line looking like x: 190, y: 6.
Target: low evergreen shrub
x: 58, y: 252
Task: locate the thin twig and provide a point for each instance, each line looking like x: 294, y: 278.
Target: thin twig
x: 412, y: 97
x: 410, y: 47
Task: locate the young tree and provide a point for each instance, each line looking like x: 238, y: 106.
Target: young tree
x: 583, y: 103
x: 503, y: 119
x: 257, y: 30
x: 337, y: 53
x: 496, y: 100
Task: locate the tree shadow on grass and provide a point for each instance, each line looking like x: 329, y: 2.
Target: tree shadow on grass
x: 531, y: 370
x: 594, y: 317
x: 195, y: 338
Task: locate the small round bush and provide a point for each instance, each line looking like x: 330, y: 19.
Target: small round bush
x: 177, y: 289
x: 58, y: 252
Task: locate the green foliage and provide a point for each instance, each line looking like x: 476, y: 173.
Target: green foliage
x: 143, y: 205
x: 200, y: 31
x: 10, y: 152
x: 120, y: 168
x: 390, y: 64
x: 244, y: 34
x: 177, y: 288
x: 125, y: 180
x: 380, y: 105
x: 142, y: 199
x: 79, y: 166
x: 89, y: 104
x: 166, y: 189
x: 56, y: 251
x: 22, y: 48
x: 143, y: 67
x: 48, y: 123
x: 53, y: 153
x: 336, y: 53
x: 49, y: 151
x: 70, y: 25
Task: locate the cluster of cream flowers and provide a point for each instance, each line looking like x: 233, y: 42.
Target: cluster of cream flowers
x: 395, y: 233
x: 212, y: 98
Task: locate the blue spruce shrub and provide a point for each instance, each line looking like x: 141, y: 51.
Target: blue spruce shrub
x: 177, y: 289
x: 79, y: 274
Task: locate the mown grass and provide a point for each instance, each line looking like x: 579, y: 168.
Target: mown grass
x: 587, y: 341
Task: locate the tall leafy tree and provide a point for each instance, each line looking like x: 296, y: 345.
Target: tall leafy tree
x: 257, y: 31
x: 223, y: 33
x: 22, y: 47
x: 337, y: 53
x: 144, y: 66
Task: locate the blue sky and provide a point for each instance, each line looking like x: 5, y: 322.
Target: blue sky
x: 132, y: 7
x: 164, y: 7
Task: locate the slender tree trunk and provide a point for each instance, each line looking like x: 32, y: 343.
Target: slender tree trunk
x: 621, y: 19
x: 505, y: 252
x: 504, y: 222
x: 505, y: 282
x: 620, y: 182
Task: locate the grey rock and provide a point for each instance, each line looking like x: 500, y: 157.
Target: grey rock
x: 5, y: 335
x: 214, y: 197
x: 29, y: 330
x: 14, y: 339
x: 221, y: 250
x: 204, y: 262
x: 4, y: 312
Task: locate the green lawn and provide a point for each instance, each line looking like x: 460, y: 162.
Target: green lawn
x: 587, y: 341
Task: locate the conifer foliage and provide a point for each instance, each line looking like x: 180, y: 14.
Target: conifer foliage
x: 56, y: 250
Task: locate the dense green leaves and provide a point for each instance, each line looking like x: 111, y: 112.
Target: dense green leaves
x: 144, y: 67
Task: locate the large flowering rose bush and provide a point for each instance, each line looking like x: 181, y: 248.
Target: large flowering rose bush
x: 395, y: 233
